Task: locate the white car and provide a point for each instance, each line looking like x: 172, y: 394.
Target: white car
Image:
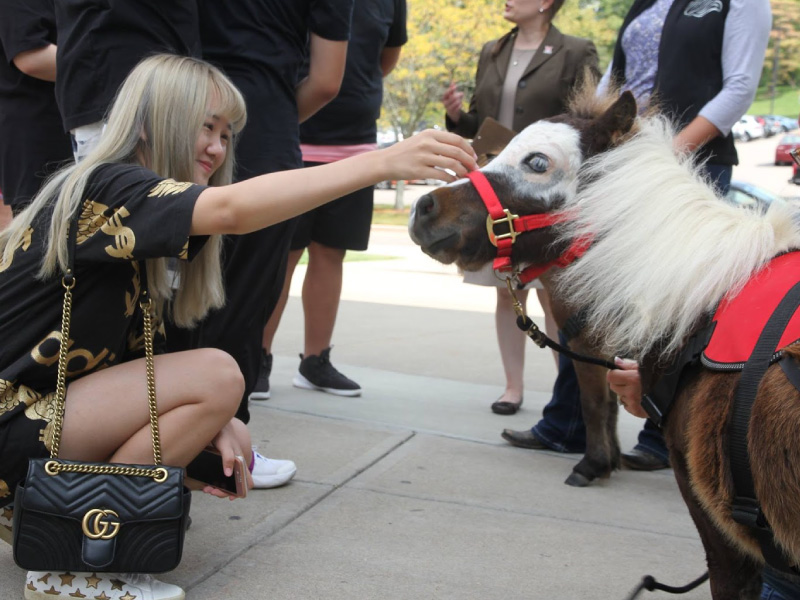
x: 747, y: 128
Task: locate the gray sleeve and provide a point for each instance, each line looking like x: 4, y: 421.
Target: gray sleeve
x: 744, y: 45
x: 605, y: 81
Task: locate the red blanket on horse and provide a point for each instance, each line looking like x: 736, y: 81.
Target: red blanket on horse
x: 740, y: 319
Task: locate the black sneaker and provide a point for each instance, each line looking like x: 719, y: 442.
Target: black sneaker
x: 261, y: 390
x: 317, y: 373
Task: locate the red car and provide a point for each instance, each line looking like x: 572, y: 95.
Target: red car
x: 787, y: 143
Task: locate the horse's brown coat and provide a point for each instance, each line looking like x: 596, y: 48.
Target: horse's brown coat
x: 697, y: 427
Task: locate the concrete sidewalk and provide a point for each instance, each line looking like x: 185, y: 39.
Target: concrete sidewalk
x: 409, y: 492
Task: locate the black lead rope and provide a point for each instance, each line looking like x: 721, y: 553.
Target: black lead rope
x: 650, y: 584
x: 525, y: 323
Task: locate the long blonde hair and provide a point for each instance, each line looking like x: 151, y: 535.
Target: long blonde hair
x: 156, y: 117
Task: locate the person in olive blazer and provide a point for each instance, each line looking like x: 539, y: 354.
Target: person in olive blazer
x: 526, y: 75
x: 543, y: 89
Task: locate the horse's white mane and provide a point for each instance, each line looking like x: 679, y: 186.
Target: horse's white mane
x: 666, y: 249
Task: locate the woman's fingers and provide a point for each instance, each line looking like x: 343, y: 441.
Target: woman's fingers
x: 451, y: 151
x: 626, y: 383
x: 425, y: 154
x: 212, y: 491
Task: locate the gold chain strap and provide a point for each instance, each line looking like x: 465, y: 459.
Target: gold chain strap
x: 147, y: 310
x: 53, y: 467
x: 61, y: 385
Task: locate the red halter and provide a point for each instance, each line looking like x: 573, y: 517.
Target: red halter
x: 516, y: 225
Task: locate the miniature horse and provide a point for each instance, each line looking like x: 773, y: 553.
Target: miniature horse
x: 664, y: 251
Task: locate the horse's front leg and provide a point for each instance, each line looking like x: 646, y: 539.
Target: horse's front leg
x: 600, y: 417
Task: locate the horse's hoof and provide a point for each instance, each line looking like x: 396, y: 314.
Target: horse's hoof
x: 578, y: 480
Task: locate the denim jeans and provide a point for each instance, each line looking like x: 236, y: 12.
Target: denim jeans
x: 720, y: 176
x: 561, y: 426
x: 776, y: 586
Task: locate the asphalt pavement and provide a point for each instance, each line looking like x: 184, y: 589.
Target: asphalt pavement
x: 408, y: 491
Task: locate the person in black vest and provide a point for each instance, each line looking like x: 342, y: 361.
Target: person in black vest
x: 703, y: 61
x: 345, y: 127
x: 34, y: 141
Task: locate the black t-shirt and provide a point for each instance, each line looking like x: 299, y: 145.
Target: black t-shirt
x: 100, y: 41
x: 261, y: 45
x: 351, y: 117
x: 129, y: 214
x: 34, y: 142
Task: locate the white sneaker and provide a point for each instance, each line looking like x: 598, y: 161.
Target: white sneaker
x: 271, y: 472
x: 6, y: 516
x: 49, y: 585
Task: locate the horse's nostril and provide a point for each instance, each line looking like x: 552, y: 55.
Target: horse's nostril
x: 425, y: 205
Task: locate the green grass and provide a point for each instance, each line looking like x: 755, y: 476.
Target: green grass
x: 385, y: 214
x: 787, y: 102
x: 352, y: 257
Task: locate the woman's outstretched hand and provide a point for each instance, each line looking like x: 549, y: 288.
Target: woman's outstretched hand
x: 430, y: 154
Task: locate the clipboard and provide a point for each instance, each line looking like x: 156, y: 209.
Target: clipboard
x: 490, y: 140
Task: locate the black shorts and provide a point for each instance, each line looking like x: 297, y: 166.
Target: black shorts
x: 343, y: 223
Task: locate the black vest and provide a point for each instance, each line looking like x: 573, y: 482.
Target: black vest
x: 689, y: 72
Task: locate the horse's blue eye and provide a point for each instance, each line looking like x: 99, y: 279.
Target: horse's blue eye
x: 538, y: 162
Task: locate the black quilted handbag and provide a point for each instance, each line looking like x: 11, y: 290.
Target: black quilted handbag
x: 100, y: 517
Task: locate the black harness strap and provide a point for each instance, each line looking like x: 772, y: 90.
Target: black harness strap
x: 659, y: 400
x: 791, y: 369
x: 746, y: 508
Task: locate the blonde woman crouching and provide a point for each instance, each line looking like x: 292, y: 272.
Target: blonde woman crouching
x: 158, y: 186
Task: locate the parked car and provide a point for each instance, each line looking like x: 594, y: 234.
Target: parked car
x: 768, y: 132
x: 787, y: 124
x: 787, y: 143
x: 742, y: 193
x: 747, y: 128
x: 772, y: 126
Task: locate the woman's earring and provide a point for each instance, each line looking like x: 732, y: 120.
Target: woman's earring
x: 541, y: 9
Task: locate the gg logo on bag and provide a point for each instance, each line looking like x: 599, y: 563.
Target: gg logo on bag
x: 96, y: 524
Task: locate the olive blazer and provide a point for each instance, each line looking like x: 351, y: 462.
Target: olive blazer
x: 543, y: 89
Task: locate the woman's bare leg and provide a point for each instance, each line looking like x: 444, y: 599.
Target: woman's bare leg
x: 550, y: 327
x: 512, y: 344
x: 107, y: 416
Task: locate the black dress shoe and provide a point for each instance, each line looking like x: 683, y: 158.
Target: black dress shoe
x: 641, y: 460
x: 524, y: 439
x: 506, y: 408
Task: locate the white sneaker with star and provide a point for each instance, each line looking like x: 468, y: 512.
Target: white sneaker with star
x: 51, y: 585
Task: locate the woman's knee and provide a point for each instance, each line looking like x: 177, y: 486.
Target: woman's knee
x: 224, y: 382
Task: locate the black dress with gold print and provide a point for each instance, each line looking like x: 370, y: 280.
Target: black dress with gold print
x: 129, y: 214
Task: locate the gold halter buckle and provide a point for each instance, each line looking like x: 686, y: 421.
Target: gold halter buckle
x: 509, y: 219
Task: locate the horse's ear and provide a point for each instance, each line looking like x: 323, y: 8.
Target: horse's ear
x: 611, y: 126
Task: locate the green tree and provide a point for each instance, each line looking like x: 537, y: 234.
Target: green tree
x: 445, y: 39
x: 782, y: 60
x: 444, y: 42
